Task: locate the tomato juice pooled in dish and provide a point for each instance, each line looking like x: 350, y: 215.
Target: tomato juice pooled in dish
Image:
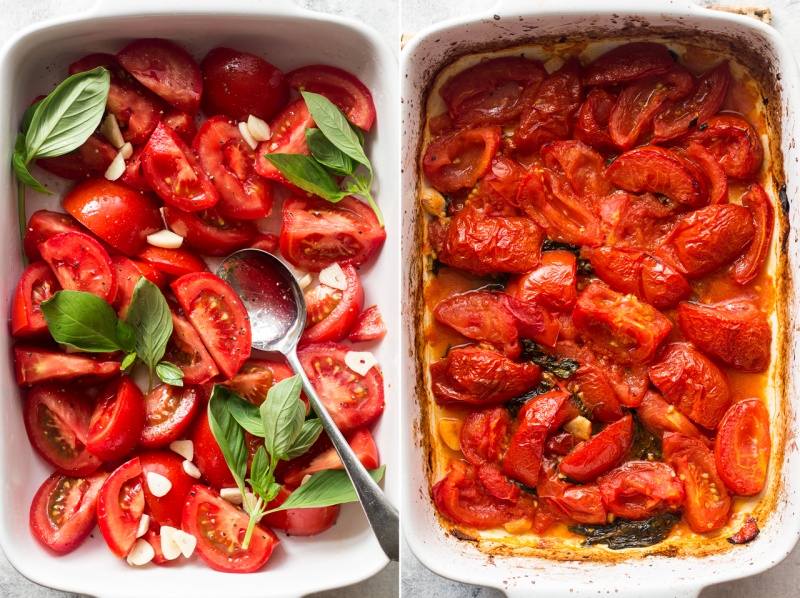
x: 600, y: 311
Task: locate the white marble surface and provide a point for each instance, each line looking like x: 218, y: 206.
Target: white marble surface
x: 381, y: 15
x: 782, y: 581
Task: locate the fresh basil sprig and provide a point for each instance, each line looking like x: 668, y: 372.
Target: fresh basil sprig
x: 151, y: 320
x: 337, y: 149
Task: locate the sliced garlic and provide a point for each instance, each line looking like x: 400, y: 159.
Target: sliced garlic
x: 185, y: 448
x: 191, y: 470
x: 580, y: 427
x: 110, y: 130
x: 158, y: 484
x: 166, y: 239
x: 553, y: 64
x: 259, y: 129
x: 247, y: 136
x: 141, y: 553
x: 232, y: 495
x: 305, y: 281
x: 305, y: 478
x: 144, y: 525
x: 116, y: 169
x: 126, y: 150
x: 333, y: 276
x: 169, y: 547
x: 360, y: 361
x: 186, y: 542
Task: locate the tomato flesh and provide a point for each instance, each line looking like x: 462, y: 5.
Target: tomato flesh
x: 742, y: 447
x: 640, y: 489
x: 81, y: 264
x: 120, y: 506
x: 332, y: 312
x: 169, y: 411
x: 36, y: 285
x: 187, y: 351
x: 117, y: 420
x: 600, y: 453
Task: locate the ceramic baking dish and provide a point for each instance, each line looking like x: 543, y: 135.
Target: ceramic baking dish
x: 32, y: 62
x: 595, y: 27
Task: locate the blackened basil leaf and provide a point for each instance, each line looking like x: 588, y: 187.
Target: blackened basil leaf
x: 624, y: 533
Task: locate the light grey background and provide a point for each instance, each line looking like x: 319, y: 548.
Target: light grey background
x: 379, y: 14
x: 417, y: 581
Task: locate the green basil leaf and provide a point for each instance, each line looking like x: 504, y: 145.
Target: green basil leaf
x: 228, y: 434
x: 358, y: 133
x: 27, y: 117
x: 126, y: 337
x: 169, y: 373
x: 334, y: 124
x: 81, y: 320
x: 128, y: 361
x: 246, y: 414
x: 327, y: 154
x: 19, y: 146
x: 325, y: 489
x: 151, y: 320
x: 24, y: 175
x: 308, y: 174
x: 259, y: 473
x: 309, y: 433
x: 282, y: 415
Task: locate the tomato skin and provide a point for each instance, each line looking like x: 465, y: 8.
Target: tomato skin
x: 591, y: 126
x: 288, y: 137
x: 207, y: 455
x: 600, y: 453
x: 457, y: 159
x: 77, y: 516
x: 335, y: 325
x: 239, y: 84
x: 317, y: 233
x: 747, y: 533
x: 485, y: 437
x: 369, y: 326
x: 169, y: 411
x: 629, y: 62
x: 183, y: 124
x: 134, y: 173
x: 345, y: 90
x: 749, y: 264
x: 300, y: 522
x: 172, y: 262
x: 742, y: 447
x: 33, y: 365
x: 707, y: 501
x: 582, y: 503
x: 717, y: 179
x: 36, y: 285
x: 80, y: 264
x: 167, y: 509
x: 660, y: 417
x: 736, y: 333
x: 120, y: 506
x: 552, y: 284
x: 257, y: 376
x: 268, y: 243
x: 592, y: 386
x: 44, y: 224
x: 187, y: 351
x: 323, y: 456
x: 582, y: 168
x: 90, y: 160
x: 206, y: 515
x: 208, y: 232
x: 128, y: 274
x: 640, y: 489
x: 734, y: 143
x: 117, y: 214
x: 117, y: 420
x: 636, y: 221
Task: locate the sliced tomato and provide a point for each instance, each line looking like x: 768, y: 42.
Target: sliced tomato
x: 288, y: 137
x: 174, y: 172
x: 637, y: 221
x: 169, y: 411
x: 120, y: 506
x: 575, y: 502
x: 750, y: 263
x: 91, y: 159
x: 485, y: 437
x: 219, y: 316
x: 629, y: 62
x: 34, y: 364
x: 186, y: 350
x: 499, y: 186
x: 117, y: 420
x: 457, y: 159
x: 167, y: 70
x: 323, y: 456
x: 582, y: 168
x: 114, y: 212
x: 742, y: 447
x: 353, y: 400
x: 331, y: 313
x: 734, y: 143
x: 167, y: 509
x: 256, y: 377
x: 640, y: 489
x: 208, y: 232
x: 134, y: 173
x: 57, y: 423
x: 37, y: 284
x: 63, y: 511
x: 183, y: 124
x: 268, y: 243
x: 230, y: 162
x: 345, y: 90
x: 600, y: 453
x: 172, y: 262
x: 207, y: 455
x: 717, y: 179
x: 591, y: 126
x: 300, y: 522
x: 317, y: 233
x: 553, y: 283
x: 660, y: 417
x: 369, y: 326
x: 81, y: 264
x: 44, y: 224
x: 128, y: 274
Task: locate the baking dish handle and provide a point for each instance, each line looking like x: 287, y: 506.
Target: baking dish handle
x: 509, y: 8
x: 115, y: 8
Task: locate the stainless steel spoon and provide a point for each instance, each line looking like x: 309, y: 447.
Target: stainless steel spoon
x: 277, y: 310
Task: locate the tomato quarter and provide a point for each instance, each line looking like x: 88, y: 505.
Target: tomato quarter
x: 169, y: 411
x: 117, y: 420
x: 81, y: 264
x: 37, y: 284
x: 742, y: 447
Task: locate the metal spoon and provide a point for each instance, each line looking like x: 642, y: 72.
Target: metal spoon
x: 277, y: 310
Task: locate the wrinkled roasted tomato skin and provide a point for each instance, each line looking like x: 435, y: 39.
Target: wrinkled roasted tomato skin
x: 641, y: 489
x: 742, y: 447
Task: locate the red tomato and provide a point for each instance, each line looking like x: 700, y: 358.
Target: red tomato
x: 747, y: 533
x: 485, y: 437
x: 582, y: 503
x: 717, y: 179
x: 498, y: 188
x: 167, y: 509
x: 736, y: 333
x: 693, y: 383
x: 183, y: 124
x: 331, y: 313
x: 57, y: 422
x: 239, y: 84
x: 207, y: 455
x: 44, y: 224
x: 593, y: 387
x: 220, y: 529
x: 117, y: 420
x: 172, y: 262
x: 230, y: 162
x: 63, y: 510
x: 591, y: 126
x: 209, y: 232
x: 480, y: 377
x: 600, y: 453
x: 169, y: 411
x: 115, y: 213
x: 81, y: 264
x: 368, y: 326
x: 167, y: 70
x: 317, y: 233
x: 134, y: 173
x: 553, y: 283
x: 120, y: 506
x: 629, y: 62
x: 128, y: 274
x: 742, y: 447
x: 33, y: 365
x: 456, y: 160
x: 637, y: 221
x: 352, y: 400
x: 580, y: 166
x: 187, y: 351
x: 707, y: 501
x: 707, y: 238
x: 90, y: 160
x: 219, y: 316
x: 345, y: 90
x: 256, y: 377
x: 493, y: 92
x: 640, y: 489
x: 660, y: 417
x: 288, y: 137
x: 268, y: 243
x: 37, y: 284
x: 734, y: 143
x: 620, y: 324
x: 323, y: 456
x: 749, y: 264
x: 300, y: 522
x: 174, y: 172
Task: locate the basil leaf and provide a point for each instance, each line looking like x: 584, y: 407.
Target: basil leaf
x: 27, y: 117
x: 126, y: 337
x: 245, y: 413
x: 151, y: 320
x: 311, y: 430
x: 334, y: 124
x: 81, y: 320
x: 19, y: 146
x: 282, y: 415
x: 228, y: 434
x: 24, y: 175
x: 128, y: 361
x: 69, y: 115
x: 328, y: 154
x: 358, y: 133
x: 306, y: 173
x: 325, y: 489
x: 259, y: 472
x: 169, y: 373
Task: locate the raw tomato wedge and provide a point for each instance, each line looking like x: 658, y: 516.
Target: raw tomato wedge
x: 36, y: 285
x: 81, y: 264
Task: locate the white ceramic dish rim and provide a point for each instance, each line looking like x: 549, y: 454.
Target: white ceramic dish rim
x: 195, y: 579
x: 458, y: 560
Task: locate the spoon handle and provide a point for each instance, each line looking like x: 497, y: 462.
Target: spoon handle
x: 382, y: 516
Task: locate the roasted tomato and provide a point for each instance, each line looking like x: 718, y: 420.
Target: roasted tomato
x: 742, y: 447
x: 256, y: 377
x: 580, y: 166
x: 484, y: 438
x: 90, y: 160
x: 208, y: 232
x: 715, y: 175
x: 749, y: 264
x: 736, y: 332
x: 600, y: 453
x: 331, y: 313
x: 636, y: 221
x: 457, y: 159
x: 117, y: 420
x: 81, y: 264
x: 552, y: 284
x: 575, y: 502
x: 167, y: 509
x: 169, y: 411
x: 747, y: 533
x: 591, y: 126
x: 120, y: 506
x: 44, y: 224
x: 288, y: 137
x: 36, y: 285
x: 300, y: 522
x: 592, y: 386
x: 629, y: 62
x: 172, y: 262
x: 640, y: 489
x: 207, y: 455
x: 34, y: 364
x: 187, y: 351
x: 368, y: 326
x: 734, y: 143
x: 660, y: 417
x: 323, y: 456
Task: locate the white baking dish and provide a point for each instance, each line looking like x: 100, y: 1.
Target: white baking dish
x: 32, y: 62
x: 520, y: 23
